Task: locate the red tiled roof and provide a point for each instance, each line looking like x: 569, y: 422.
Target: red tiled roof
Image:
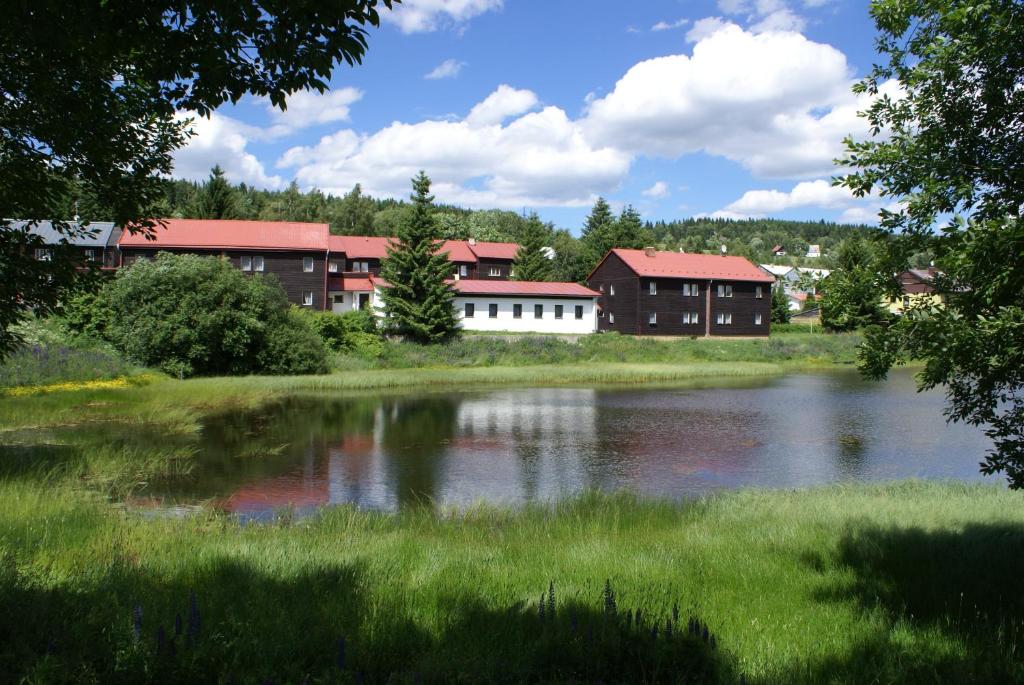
x: 458, y: 251
x: 360, y: 246
x: 481, y: 287
x: 232, y: 234
x: 691, y: 265
x: 364, y: 285
x: 485, y: 250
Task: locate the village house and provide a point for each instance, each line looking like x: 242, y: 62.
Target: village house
x: 94, y: 242
x: 918, y: 289
x: 526, y: 306
x: 647, y: 292
x: 799, y: 283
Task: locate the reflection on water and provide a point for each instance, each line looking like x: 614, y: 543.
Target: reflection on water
x: 518, y: 445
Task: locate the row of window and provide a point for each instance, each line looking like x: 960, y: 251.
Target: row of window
x: 45, y: 254
x: 255, y: 263
x: 517, y: 311
x: 689, y: 290
x: 690, y: 318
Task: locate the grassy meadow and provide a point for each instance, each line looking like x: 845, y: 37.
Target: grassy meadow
x: 902, y: 583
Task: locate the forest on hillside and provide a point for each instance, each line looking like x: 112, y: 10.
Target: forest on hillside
x: 356, y: 213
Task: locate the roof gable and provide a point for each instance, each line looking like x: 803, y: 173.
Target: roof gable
x: 486, y: 250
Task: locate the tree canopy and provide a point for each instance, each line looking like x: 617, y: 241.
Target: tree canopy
x: 92, y: 96
x: 531, y: 262
x: 949, y: 151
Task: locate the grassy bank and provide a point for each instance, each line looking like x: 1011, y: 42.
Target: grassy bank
x: 794, y: 348
x: 901, y: 583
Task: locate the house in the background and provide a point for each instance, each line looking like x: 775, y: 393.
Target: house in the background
x: 95, y: 243
x: 526, y: 306
x: 813, y: 251
x: 647, y: 292
x: 917, y: 290
x: 796, y: 279
x: 294, y: 252
x: 779, y: 251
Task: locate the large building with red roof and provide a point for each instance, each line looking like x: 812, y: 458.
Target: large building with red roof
x: 650, y: 292
x: 296, y: 253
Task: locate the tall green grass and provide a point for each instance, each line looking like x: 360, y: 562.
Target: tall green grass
x: 907, y: 583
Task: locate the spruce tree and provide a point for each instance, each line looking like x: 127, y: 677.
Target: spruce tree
x: 216, y: 199
x: 629, y: 231
x: 597, y: 236
x: 780, y: 305
x: 531, y: 263
x: 418, y: 298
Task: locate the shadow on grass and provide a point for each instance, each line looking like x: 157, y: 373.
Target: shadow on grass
x: 230, y: 622
x: 951, y: 605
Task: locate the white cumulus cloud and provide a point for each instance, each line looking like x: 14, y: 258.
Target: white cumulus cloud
x: 308, y: 108
x: 658, y: 190
x: 503, y: 103
x: 777, y: 103
x: 418, y: 16
x: 449, y: 68
x: 222, y: 140
x: 538, y: 158
x: 820, y: 194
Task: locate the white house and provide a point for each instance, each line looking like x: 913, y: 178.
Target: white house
x: 814, y: 251
x: 526, y: 307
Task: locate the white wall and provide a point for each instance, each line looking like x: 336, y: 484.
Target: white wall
x: 568, y: 324
x: 350, y: 300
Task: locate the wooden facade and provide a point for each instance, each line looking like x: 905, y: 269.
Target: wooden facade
x: 678, y: 305
x: 288, y: 266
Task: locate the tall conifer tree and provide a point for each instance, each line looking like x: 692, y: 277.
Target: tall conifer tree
x: 419, y: 301
x: 531, y: 263
x: 217, y: 199
x: 598, y: 232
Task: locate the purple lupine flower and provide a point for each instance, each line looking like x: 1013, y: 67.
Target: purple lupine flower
x: 137, y: 622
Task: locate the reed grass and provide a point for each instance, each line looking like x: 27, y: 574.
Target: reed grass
x: 911, y: 582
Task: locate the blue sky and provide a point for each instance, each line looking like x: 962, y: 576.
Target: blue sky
x: 727, y: 108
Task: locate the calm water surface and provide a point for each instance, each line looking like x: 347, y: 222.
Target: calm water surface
x: 518, y: 445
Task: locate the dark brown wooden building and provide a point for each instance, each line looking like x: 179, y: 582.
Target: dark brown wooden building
x: 294, y: 252
x: 95, y: 243
x: 647, y: 292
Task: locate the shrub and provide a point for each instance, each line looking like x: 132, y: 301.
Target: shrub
x: 87, y: 313
x: 192, y: 315
x: 334, y: 328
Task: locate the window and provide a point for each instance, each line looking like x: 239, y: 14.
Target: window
x: 906, y: 301
x: 494, y: 271
x: 758, y: 292
x: 307, y: 264
x: 579, y: 311
x: 492, y: 310
x: 332, y: 267
x: 90, y: 255
x: 463, y: 270
x: 339, y: 299
x: 611, y: 290
x: 470, y: 310
x: 517, y: 311
x: 652, y: 320
x: 246, y: 263
x: 360, y: 267
x: 600, y: 288
x: 686, y: 318
x: 257, y: 263
x: 724, y: 290
x: 558, y: 311
x: 538, y: 311
x: 653, y: 287
x: 611, y: 318
x: 757, y: 319
x: 307, y: 298
x: 694, y: 317
x: 690, y: 290
x: 724, y: 318
x: 42, y: 254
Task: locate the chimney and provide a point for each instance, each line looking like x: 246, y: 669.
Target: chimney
x: 649, y: 251
x: 724, y: 250
x: 472, y: 241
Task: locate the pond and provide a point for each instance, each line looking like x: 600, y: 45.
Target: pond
x: 518, y: 445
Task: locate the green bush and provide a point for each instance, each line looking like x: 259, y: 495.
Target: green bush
x: 87, y: 314
x: 190, y: 315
